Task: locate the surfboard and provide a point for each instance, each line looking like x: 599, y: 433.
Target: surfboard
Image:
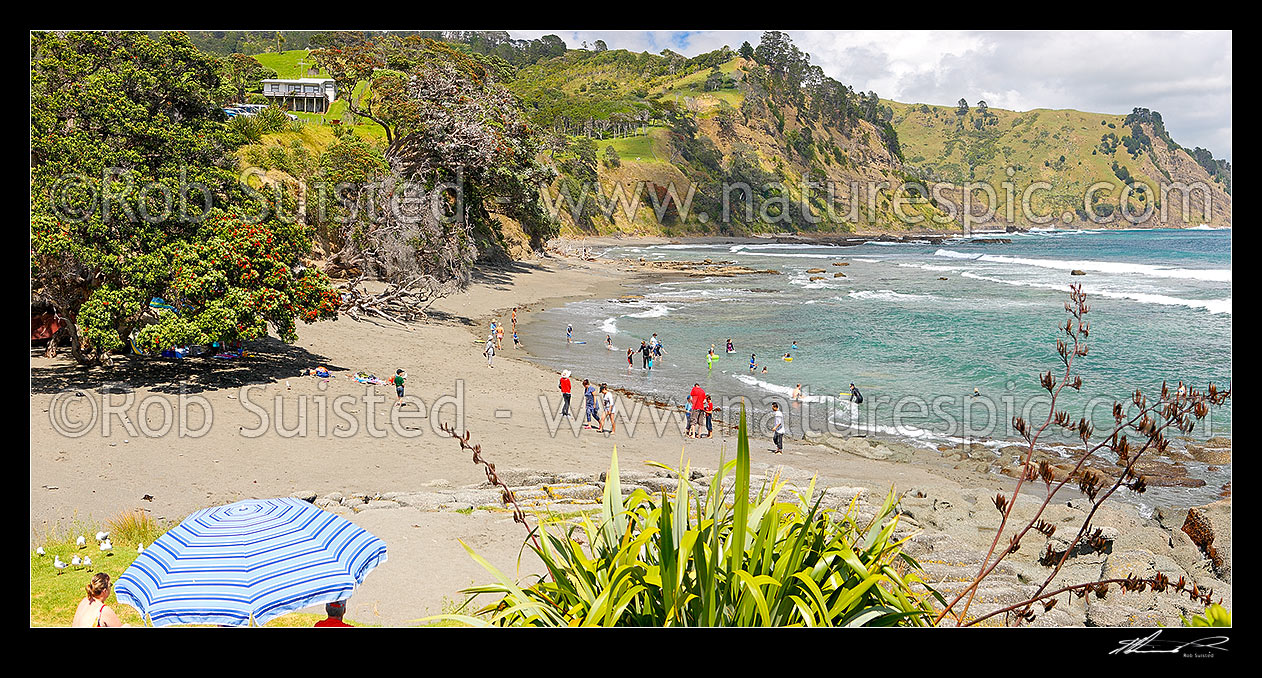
x: 578, y: 342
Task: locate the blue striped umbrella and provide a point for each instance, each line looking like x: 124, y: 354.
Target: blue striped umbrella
x: 258, y: 558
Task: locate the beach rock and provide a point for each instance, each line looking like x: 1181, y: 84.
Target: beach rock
x: 841, y: 263
x: 1209, y: 527
x: 941, y: 278
x: 1077, y: 272
x: 376, y: 504
x: 425, y: 501
x: 308, y: 496
x: 814, y: 270
x: 477, y: 497
x: 659, y: 485
x: 839, y: 274
x: 1210, y: 455
x: 579, y: 492
x: 871, y: 448
x: 816, y: 277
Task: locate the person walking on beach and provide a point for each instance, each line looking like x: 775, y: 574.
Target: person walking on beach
x: 569, y: 334
x: 607, y: 396
x: 514, y: 320
x: 777, y: 428
x: 564, y: 385
x: 630, y: 359
x: 489, y: 350
x: 516, y: 341
x: 589, y: 397
x: 698, y: 404
x: 399, y: 377
x: 499, y: 337
x: 644, y: 355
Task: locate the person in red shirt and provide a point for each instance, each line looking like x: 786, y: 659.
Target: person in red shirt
x: 565, y: 393
x: 694, y: 417
x: 335, y: 611
x: 709, y: 416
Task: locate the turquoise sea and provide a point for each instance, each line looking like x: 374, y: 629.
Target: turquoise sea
x: 1161, y: 309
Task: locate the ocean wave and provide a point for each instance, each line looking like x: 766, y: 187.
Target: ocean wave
x: 697, y: 246
x: 610, y: 326
x: 888, y: 295
x: 780, y: 246
x: 952, y: 254
x: 1118, y: 267
x: 1207, y: 227
x: 930, y: 267
x: 786, y: 391
x: 657, y: 311
x: 1214, y: 306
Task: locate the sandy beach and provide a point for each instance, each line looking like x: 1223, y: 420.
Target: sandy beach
x: 95, y: 474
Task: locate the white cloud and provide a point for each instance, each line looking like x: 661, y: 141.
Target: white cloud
x: 1186, y: 75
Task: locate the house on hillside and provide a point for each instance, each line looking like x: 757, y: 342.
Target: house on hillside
x: 309, y: 95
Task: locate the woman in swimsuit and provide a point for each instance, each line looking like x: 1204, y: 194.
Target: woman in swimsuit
x: 92, y: 610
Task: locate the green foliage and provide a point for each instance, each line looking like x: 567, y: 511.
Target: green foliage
x: 676, y: 561
x: 611, y: 157
x: 1215, y: 615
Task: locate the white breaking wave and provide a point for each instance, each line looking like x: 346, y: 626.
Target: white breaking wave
x: 786, y: 391
x: 1207, y: 227
x: 956, y: 255
x: 780, y: 246
x: 683, y: 247
x: 887, y: 295
x: 1214, y: 306
x: 610, y: 326
x: 657, y: 311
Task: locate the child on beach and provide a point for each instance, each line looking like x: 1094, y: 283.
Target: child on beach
x: 630, y: 358
x: 399, y: 377
x: 708, y: 408
x: 608, y: 401
x: 489, y: 350
x: 516, y: 341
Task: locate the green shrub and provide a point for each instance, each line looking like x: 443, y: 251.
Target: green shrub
x: 660, y: 561
x: 1215, y: 615
x: 271, y: 120
x: 246, y: 127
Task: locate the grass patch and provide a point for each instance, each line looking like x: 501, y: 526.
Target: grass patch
x: 55, y: 597
x: 286, y: 64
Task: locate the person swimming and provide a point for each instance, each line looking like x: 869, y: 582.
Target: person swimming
x: 753, y: 362
x: 794, y: 346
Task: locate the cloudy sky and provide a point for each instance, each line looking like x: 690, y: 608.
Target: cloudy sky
x: 1184, y: 75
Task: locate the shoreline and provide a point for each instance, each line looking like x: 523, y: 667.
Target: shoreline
x: 95, y: 476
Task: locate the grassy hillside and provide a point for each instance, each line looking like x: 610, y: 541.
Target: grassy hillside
x: 1070, y: 150
x: 287, y: 64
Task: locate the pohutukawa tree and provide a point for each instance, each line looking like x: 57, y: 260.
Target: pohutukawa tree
x: 459, y: 150
x: 1139, y: 427
x: 134, y: 195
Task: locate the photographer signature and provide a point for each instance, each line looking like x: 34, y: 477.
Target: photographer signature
x: 1151, y: 645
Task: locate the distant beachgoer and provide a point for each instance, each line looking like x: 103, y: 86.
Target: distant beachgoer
x: 709, y: 359
x: 645, y: 354
x: 788, y: 357
x: 794, y: 347
x: 514, y: 319
x: 752, y: 363
x: 399, y: 377
x: 855, y: 399
x: 564, y: 385
x: 608, y: 398
x: 797, y: 392
x: 589, y: 396
x: 92, y: 610
x: 764, y: 369
x: 730, y: 347
x: 335, y: 612
x: 499, y: 337
x: 777, y: 428
x: 489, y: 350
x: 516, y: 341
x: 569, y: 334
x: 976, y: 392
x: 708, y: 408
x: 697, y: 397
x: 630, y: 358
x: 609, y: 341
